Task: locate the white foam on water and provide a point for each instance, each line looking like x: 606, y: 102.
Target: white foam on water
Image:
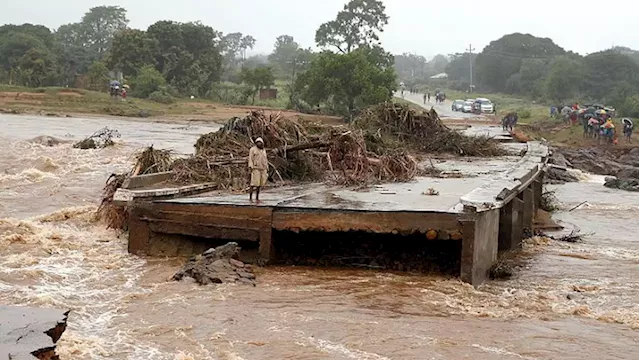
x: 500, y: 351
x: 339, y: 349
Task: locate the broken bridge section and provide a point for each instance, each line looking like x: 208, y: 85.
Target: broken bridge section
x: 30, y: 333
x: 483, y: 215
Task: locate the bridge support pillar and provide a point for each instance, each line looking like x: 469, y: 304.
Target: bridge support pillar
x: 510, y: 236
x: 528, y: 208
x: 479, y: 245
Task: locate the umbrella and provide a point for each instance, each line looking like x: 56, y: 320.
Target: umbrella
x: 125, y: 86
x: 114, y: 83
x: 601, y: 111
x: 627, y: 121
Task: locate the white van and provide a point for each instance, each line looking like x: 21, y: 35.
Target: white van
x: 486, y: 106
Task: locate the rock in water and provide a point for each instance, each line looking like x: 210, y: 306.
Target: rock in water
x: 47, y: 140
x: 217, y: 265
x: 85, y: 144
x: 622, y: 184
x: 558, y: 175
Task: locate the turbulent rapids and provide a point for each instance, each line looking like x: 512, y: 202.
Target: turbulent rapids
x: 55, y: 253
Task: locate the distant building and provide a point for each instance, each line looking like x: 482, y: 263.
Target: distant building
x: 439, y: 76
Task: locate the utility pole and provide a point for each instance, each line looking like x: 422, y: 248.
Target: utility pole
x: 470, y: 69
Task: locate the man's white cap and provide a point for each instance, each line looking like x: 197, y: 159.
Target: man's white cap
x: 259, y: 140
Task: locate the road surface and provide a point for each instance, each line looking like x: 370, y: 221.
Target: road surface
x: 473, y: 124
x: 444, y: 110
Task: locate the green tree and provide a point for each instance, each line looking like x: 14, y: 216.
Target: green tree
x: 285, y: 50
x: 258, y: 78
x: 409, y: 66
x: 503, y: 58
x: 131, y: 50
x: 37, y: 68
x: 100, y: 24
x: 346, y: 82
x: 357, y: 24
x: 147, y: 81
x: 564, y: 78
x: 234, y: 47
x: 607, y: 70
x: 437, y: 65
x: 187, y: 55
x: 74, y: 55
x: 14, y: 45
x: 98, y: 76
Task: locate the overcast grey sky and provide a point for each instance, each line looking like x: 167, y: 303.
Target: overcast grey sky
x: 418, y: 26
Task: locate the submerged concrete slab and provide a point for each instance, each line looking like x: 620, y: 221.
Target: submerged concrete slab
x: 30, y: 333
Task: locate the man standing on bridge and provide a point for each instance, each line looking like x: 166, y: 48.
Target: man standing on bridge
x: 258, y: 165
x: 424, y: 98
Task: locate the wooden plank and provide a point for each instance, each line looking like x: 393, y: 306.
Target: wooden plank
x: 378, y: 222
x: 204, y: 230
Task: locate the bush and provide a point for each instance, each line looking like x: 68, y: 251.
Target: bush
x: 629, y: 107
x: 149, y: 80
x: 230, y: 93
x: 524, y: 113
x: 161, y: 97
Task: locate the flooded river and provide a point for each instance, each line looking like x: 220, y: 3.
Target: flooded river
x: 570, y: 301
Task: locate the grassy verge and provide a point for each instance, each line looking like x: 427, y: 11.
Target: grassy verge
x: 70, y: 100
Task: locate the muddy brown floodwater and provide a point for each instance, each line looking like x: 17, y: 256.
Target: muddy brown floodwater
x: 570, y: 301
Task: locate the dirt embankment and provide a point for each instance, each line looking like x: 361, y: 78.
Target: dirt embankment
x: 77, y: 102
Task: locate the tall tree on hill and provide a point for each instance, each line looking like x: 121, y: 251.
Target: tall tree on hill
x: 503, y: 58
x: 608, y: 69
x: 357, y: 24
x: 100, y: 25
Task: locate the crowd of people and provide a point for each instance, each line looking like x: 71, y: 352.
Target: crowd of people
x: 596, y: 120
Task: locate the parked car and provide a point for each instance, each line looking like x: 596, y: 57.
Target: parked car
x: 484, y: 105
x: 457, y: 105
x: 467, y: 107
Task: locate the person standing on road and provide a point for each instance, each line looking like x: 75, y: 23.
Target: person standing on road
x: 424, y: 98
x: 258, y: 165
x: 429, y: 97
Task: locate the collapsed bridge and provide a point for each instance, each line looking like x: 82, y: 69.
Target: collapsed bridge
x: 471, y: 217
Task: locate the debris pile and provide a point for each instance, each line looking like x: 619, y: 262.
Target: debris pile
x: 116, y: 217
x: 99, y: 139
x: 422, y: 131
x: 296, y: 153
x: 217, y: 265
x: 150, y: 160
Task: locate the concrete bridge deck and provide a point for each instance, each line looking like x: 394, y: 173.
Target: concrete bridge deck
x: 486, y: 211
